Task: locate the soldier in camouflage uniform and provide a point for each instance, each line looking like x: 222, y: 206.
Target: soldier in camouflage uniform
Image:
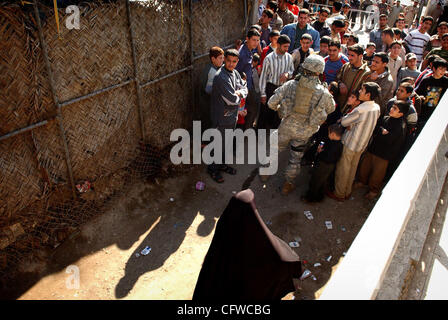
x: 303, y: 105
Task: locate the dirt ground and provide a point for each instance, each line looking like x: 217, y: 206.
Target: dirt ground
x: 179, y: 233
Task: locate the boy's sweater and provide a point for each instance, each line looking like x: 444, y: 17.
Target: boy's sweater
x: 331, y: 152
x: 360, y: 124
x: 387, y: 146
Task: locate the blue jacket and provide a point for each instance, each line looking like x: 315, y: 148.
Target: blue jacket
x: 290, y: 31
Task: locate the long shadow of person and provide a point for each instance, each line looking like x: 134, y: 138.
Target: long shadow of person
x: 167, y: 234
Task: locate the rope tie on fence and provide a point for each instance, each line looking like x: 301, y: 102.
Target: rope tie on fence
x: 56, y: 16
x: 181, y: 17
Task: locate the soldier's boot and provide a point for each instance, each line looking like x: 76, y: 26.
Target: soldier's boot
x: 287, y: 188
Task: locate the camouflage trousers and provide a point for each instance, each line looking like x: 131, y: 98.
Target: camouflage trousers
x: 297, y: 148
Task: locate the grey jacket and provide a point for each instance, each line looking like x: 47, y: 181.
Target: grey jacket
x: 225, y: 99
x: 386, y: 84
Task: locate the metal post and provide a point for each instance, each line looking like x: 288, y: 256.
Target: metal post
x: 22, y: 130
x: 55, y: 99
x: 420, y: 10
x: 254, y: 13
x: 137, y: 79
x: 195, y: 114
x: 245, y: 14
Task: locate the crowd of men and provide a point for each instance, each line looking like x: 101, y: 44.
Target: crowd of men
x: 351, y: 111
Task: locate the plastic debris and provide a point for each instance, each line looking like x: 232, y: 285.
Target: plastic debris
x: 314, y: 278
x: 305, y: 262
x: 234, y: 192
x: 308, y: 214
x: 146, y: 251
x: 171, y: 199
x: 294, y: 244
x: 329, y: 225
x: 84, y: 187
x: 329, y: 258
x: 264, y: 186
x: 137, y: 255
x: 305, y: 274
x: 200, y: 186
x: 317, y: 265
x: 343, y: 229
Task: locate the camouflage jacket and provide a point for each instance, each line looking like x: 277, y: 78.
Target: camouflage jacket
x: 318, y: 102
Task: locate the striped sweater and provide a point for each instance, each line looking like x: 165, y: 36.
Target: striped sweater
x: 416, y: 42
x: 360, y: 124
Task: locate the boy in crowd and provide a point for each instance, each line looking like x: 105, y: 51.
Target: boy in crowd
x: 256, y: 80
x: 333, y: 62
x: 352, y: 102
x: 266, y: 29
x: 216, y: 55
x: 370, y: 51
x: 344, y: 44
x: 388, y: 138
x: 398, y: 35
x: 388, y: 39
x: 375, y: 35
x: 324, y: 46
x: 352, y: 39
x: 242, y: 111
x: 431, y: 89
x: 337, y: 26
x: 436, y: 40
x: 410, y: 70
x: 321, y: 25
x: 400, y: 25
x: 273, y: 37
x: 328, y: 154
x: 381, y: 75
x: 276, y: 22
x: 404, y: 93
x: 227, y: 91
x: 415, y: 98
x: 426, y: 72
x: 442, y: 52
x: 395, y: 61
x: 417, y: 39
x: 299, y: 54
x: 361, y: 123
x: 352, y: 74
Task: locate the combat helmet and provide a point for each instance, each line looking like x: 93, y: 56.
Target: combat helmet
x: 314, y: 63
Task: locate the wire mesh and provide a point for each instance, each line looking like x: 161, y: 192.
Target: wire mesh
x: 107, y: 151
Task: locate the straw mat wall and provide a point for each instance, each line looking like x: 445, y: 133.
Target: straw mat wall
x: 98, y: 137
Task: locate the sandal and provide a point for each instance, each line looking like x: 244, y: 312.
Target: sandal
x: 216, y: 176
x: 228, y: 170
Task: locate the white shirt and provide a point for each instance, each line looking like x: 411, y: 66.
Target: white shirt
x: 273, y: 66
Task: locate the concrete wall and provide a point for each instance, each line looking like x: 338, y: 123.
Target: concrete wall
x: 422, y: 211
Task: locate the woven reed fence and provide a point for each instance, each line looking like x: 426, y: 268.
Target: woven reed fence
x: 96, y: 104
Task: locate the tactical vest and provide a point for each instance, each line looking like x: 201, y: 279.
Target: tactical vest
x: 304, y: 92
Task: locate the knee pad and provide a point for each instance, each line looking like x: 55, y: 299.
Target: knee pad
x: 300, y: 148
